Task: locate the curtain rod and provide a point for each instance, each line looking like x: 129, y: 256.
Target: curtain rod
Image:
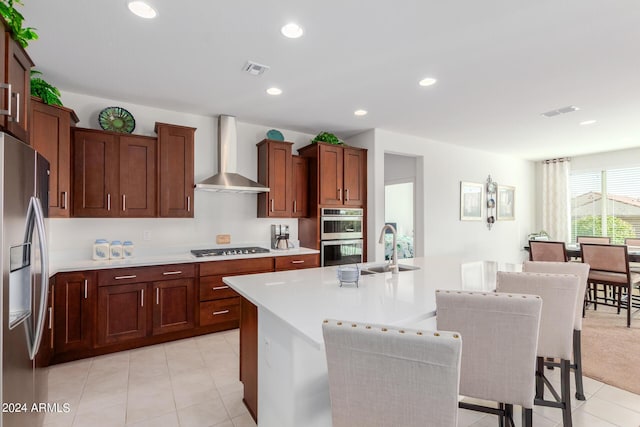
x: 559, y: 160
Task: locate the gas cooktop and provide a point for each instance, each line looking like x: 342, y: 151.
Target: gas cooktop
x: 229, y: 251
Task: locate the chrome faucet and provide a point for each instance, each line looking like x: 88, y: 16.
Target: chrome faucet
x: 393, y: 266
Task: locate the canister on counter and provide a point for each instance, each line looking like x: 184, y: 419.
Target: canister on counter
x: 127, y: 249
x: 101, y: 250
x: 116, y: 249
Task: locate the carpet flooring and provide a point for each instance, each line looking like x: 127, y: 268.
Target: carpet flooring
x: 610, y: 350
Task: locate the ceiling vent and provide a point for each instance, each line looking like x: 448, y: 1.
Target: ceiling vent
x: 563, y: 110
x: 254, y: 68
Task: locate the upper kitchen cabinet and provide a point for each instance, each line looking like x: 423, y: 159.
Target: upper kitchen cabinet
x: 50, y: 135
x: 337, y: 174
x: 114, y: 174
x: 175, y: 170
x: 15, y: 69
x: 300, y: 186
x: 275, y: 172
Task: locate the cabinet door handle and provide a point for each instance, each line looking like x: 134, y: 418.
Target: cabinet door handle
x: 124, y: 202
x: 297, y: 261
x: 64, y: 200
x: 132, y: 276
x: 340, y: 194
x: 217, y: 288
x: 188, y: 203
x: 157, y: 295
x: 50, y: 317
x: 295, y: 206
x: 346, y: 194
x: 6, y: 86
x: 17, y: 107
x: 271, y: 205
x: 215, y: 313
x: 108, y: 201
x: 85, y: 289
x: 142, y: 298
x: 169, y: 273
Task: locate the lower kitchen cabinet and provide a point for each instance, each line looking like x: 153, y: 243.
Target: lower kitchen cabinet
x: 73, y: 306
x: 121, y: 313
x: 173, y: 306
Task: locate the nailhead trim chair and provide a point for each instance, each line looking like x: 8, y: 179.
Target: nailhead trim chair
x: 500, y: 333
x: 559, y: 293
x: 387, y: 376
x: 540, y: 250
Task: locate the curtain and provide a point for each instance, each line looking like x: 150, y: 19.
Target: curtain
x: 555, y: 199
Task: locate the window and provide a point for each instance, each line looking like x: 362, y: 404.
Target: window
x: 605, y: 203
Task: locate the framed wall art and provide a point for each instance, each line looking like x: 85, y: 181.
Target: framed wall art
x: 506, y: 203
x: 471, y: 201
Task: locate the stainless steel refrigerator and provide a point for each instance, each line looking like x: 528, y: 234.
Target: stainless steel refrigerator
x: 25, y: 276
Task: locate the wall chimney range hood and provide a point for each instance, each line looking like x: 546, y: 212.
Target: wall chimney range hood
x: 227, y: 180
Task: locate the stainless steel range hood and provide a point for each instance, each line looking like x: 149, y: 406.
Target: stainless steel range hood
x: 227, y: 180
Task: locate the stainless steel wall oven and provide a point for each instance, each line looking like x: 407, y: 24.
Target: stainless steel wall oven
x: 341, y: 235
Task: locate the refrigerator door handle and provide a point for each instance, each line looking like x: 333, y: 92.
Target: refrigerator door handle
x: 35, y: 216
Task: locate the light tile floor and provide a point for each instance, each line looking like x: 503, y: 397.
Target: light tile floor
x: 194, y: 383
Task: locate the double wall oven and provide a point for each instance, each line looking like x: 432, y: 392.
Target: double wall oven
x: 341, y: 236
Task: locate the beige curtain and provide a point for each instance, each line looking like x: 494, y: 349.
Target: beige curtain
x: 555, y: 199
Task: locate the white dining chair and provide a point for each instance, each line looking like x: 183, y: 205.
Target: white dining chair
x: 559, y: 293
x: 385, y: 376
x: 582, y: 271
x: 500, y: 334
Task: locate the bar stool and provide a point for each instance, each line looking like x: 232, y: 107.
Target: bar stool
x: 559, y: 293
x: 387, y: 376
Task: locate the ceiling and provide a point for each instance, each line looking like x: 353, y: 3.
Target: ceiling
x: 499, y: 65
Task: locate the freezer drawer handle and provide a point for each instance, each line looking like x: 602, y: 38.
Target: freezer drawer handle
x: 132, y: 276
x: 169, y: 273
x: 217, y: 288
x: 6, y: 86
x: 215, y: 313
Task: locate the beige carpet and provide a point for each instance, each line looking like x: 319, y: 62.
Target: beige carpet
x: 610, y: 350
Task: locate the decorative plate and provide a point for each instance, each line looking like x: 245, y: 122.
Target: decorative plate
x: 275, y: 135
x: 116, y: 119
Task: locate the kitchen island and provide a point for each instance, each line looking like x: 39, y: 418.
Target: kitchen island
x: 282, y: 359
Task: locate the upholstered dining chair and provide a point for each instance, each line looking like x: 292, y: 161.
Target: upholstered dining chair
x: 582, y: 271
x: 633, y: 243
x: 389, y: 376
x: 610, y: 268
x: 603, y: 240
x: 559, y: 293
x: 500, y: 334
x: 543, y: 250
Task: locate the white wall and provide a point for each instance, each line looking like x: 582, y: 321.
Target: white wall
x: 215, y: 213
x: 608, y: 160
x: 439, y: 170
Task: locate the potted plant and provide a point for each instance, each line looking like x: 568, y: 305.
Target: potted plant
x: 48, y: 93
x: 328, y: 138
x: 14, y: 20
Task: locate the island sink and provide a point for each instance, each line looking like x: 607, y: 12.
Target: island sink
x: 386, y: 269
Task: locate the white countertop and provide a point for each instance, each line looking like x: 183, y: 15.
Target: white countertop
x: 63, y: 263
x: 304, y: 298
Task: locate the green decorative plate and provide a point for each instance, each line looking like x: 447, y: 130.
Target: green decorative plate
x: 275, y: 135
x: 116, y: 119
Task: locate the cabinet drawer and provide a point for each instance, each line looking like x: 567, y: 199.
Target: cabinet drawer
x: 212, y: 287
x: 119, y: 276
x: 297, y: 262
x: 218, y: 311
x: 237, y: 266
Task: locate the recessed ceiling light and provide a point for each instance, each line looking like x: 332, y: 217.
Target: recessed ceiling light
x: 360, y: 112
x: 587, y: 122
x: 274, y: 91
x: 142, y: 9
x: 427, y: 81
x: 292, y: 31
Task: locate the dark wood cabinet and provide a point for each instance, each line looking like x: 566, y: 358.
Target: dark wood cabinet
x: 175, y: 170
x: 50, y: 135
x: 297, y: 262
x: 330, y: 170
x: 114, y: 175
x: 275, y: 172
x: 354, y: 177
x: 173, y: 305
x: 73, y: 306
x: 15, y: 68
x: 249, y: 355
x: 300, y: 187
x: 122, y: 313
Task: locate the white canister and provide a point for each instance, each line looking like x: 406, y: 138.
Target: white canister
x: 127, y: 249
x: 101, y: 250
x: 115, y: 250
